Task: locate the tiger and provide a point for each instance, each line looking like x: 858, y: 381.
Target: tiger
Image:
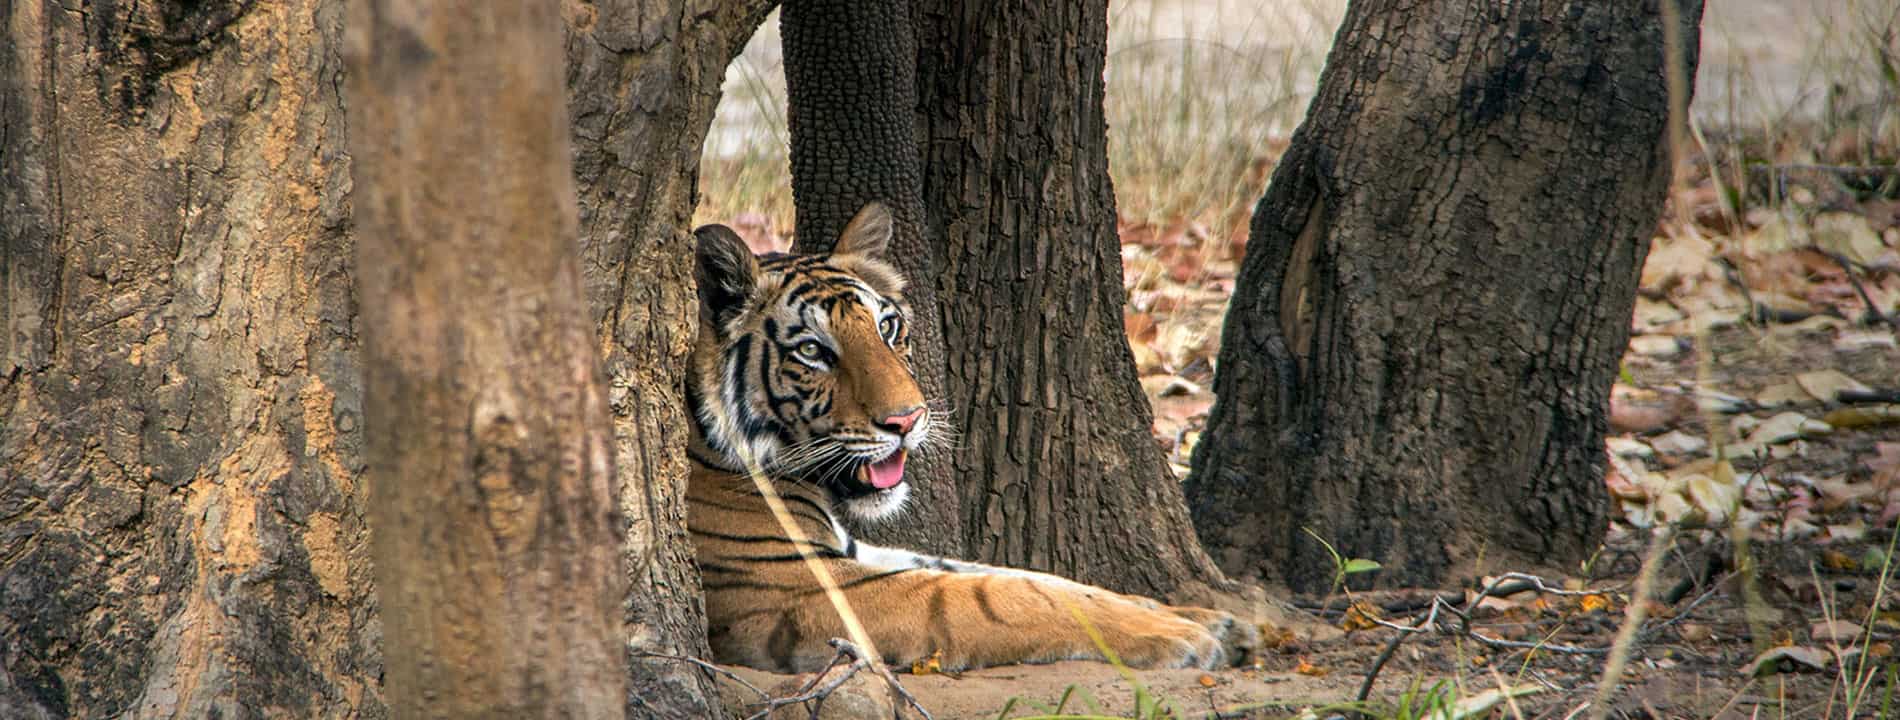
x: 802, y: 364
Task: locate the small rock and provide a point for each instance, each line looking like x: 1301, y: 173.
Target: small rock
x: 1677, y: 442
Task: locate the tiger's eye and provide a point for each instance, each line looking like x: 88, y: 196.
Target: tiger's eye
x: 811, y: 350
x: 888, y: 326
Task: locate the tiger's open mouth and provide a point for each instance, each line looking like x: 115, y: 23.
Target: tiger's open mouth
x: 883, y: 474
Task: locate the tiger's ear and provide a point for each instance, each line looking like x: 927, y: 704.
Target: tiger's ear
x: 727, y: 273
x: 868, y: 233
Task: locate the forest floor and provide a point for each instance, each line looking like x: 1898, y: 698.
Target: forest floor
x: 1756, y: 427
x: 1750, y: 335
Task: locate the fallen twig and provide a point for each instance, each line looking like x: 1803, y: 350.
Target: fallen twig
x: 1848, y: 269
x: 1500, y: 586
x: 818, y: 688
x: 708, y: 668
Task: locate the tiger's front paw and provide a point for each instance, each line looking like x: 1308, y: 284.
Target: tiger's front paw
x: 1240, y: 640
x: 1164, y: 640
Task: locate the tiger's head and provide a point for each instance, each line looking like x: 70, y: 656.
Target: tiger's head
x: 803, y: 363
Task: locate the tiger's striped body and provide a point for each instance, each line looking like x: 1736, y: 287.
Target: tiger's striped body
x: 802, y: 364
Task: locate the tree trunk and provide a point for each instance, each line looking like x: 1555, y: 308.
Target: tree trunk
x: 1058, y: 471
x: 1436, y: 294
x: 851, y: 84
x: 181, y: 525
x: 496, y: 538
x: 643, y: 79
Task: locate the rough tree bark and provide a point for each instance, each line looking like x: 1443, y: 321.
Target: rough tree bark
x: 1058, y: 471
x: 851, y: 84
x: 491, y: 463
x: 643, y: 79
x: 1011, y: 247
x: 1437, y: 291
x: 181, y: 528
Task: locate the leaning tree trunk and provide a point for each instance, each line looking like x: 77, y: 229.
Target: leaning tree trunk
x: 643, y: 79
x: 1437, y: 291
x: 1058, y: 471
x: 852, y: 87
x: 181, y: 525
x: 496, y: 538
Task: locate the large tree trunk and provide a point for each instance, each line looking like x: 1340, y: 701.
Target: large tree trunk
x: 496, y: 538
x: 643, y: 79
x: 852, y: 87
x: 1437, y: 291
x: 1058, y: 471
x: 181, y: 527
x: 182, y: 520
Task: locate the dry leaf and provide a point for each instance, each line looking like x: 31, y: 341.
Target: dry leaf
x: 1478, y: 705
x: 1848, y: 532
x: 1652, y: 316
x: 1656, y: 346
x: 1826, y: 385
x: 1715, y: 498
x: 1676, y: 260
x: 1310, y: 670
x: 1864, y: 415
x: 1677, y: 442
x: 1837, y: 492
x: 1791, y: 658
x: 1837, y: 560
x: 1781, y: 394
x: 1836, y: 631
x: 1594, y: 602
x: 928, y: 666
x: 1847, y: 234
x: 1857, y: 340
x: 1359, y: 616
x: 1639, y: 411
x: 1786, y: 427
x: 1629, y: 447
x: 1206, y: 680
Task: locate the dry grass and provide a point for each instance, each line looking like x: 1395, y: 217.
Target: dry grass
x: 1201, y: 96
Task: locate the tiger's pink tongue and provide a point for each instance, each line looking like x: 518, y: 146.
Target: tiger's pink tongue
x: 887, y: 473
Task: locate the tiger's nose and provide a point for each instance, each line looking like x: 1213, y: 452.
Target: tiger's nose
x: 902, y: 422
